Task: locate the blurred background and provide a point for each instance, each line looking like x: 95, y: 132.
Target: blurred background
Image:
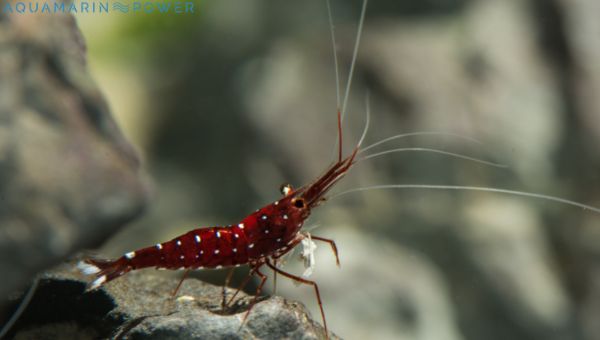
x: 229, y: 103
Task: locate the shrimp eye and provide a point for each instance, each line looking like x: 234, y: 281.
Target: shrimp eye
x: 286, y: 189
x: 299, y: 203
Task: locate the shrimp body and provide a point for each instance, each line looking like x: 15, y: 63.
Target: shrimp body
x: 264, y: 233
x: 259, y: 239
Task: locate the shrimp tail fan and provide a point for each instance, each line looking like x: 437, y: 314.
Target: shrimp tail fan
x: 102, y: 271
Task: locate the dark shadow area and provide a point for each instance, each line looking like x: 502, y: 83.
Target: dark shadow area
x: 64, y: 302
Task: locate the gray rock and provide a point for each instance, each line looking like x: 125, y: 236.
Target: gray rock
x: 139, y: 305
x: 68, y: 178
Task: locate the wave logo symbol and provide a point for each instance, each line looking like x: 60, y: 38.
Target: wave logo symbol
x: 123, y: 8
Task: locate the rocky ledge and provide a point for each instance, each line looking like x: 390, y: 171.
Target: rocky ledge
x: 140, y: 305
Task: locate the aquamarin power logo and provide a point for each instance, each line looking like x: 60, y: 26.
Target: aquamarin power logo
x: 98, y: 7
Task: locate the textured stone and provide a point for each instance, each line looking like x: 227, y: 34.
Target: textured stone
x: 139, y: 306
x: 68, y: 178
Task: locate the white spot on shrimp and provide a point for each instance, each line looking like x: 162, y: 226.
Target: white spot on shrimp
x: 235, y: 250
x: 97, y: 282
x: 251, y: 245
x: 216, y: 251
x: 201, y: 252
x: 263, y: 217
x: 182, y: 257
x: 237, y: 265
x: 130, y: 255
x: 241, y: 225
x: 219, y: 267
x: 158, y: 246
x: 266, y: 231
x: 198, y: 239
x: 299, y: 224
x: 285, y: 217
x: 87, y: 269
x: 279, y: 240
x: 276, y: 203
x: 236, y: 235
x: 178, y: 243
x: 218, y: 234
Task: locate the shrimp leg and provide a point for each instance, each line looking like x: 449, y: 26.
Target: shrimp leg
x: 241, y: 286
x: 185, y: 274
x: 308, y: 282
x: 263, y: 279
x: 333, y: 247
x: 227, y: 281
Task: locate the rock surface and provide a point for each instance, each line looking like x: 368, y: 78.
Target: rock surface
x: 68, y: 178
x: 139, y: 306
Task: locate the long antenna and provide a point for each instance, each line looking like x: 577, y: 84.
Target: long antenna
x: 441, y: 152
x: 337, y: 83
x: 354, y: 56
x: 341, y: 114
x: 472, y: 188
x: 368, y: 119
x: 335, y: 56
x: 420, y: 133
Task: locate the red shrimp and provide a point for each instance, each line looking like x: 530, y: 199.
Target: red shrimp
x: 259, y: 239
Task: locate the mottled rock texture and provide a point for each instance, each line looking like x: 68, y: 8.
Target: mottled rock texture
x: 68, y: 178
x: 140, y: 306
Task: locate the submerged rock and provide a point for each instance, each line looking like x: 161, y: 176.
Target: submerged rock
x: 140, y: 306
x: 68, y: 177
